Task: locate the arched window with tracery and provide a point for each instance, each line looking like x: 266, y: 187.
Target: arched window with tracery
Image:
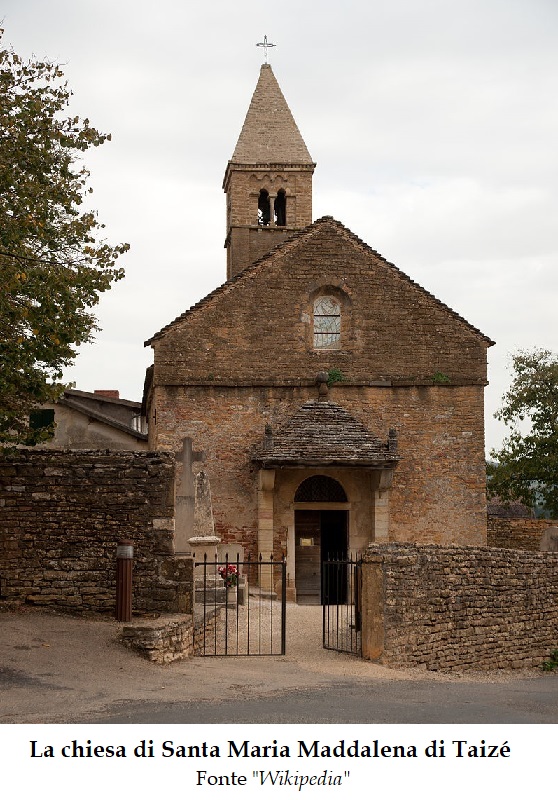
x: 327, y: 323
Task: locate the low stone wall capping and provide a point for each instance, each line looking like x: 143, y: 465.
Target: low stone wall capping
x: 447, y: 608
x: 61, y: 515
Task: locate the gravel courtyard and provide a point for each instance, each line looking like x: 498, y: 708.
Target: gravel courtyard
x: 58, y: 668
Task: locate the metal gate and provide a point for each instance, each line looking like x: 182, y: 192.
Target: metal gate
x: 240, y: 607
x: 341, y: 595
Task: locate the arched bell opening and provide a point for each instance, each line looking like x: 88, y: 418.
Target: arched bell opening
x: 264, y: 210
x: 280, y: 208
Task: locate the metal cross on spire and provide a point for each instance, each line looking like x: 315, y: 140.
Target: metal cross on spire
x: 265, y: 44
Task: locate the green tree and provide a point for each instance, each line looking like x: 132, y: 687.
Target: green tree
x: 53, y: 262
x: 526, y: 467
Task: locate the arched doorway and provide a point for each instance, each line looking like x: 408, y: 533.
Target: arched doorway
x: 321, y: 533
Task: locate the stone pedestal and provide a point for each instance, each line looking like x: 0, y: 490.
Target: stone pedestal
x: 202, y: 547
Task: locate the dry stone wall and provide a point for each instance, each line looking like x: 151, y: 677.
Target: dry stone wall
x: 447, y: 608
x: 162, y: 640
x: 61, y: 516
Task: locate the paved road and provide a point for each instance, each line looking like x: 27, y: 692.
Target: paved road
x: 60, y: 669
x: 410, y: 702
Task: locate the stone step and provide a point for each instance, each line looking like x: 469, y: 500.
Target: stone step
x: 217, y: 596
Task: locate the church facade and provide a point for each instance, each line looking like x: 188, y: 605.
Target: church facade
x: 330, y: 400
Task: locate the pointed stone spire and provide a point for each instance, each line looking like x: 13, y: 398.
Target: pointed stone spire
x: 269, y: 133
x: 268, y: 181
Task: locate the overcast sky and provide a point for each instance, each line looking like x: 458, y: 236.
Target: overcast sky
x: 434, y: 125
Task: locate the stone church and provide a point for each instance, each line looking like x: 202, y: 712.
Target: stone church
x: 330, y: 400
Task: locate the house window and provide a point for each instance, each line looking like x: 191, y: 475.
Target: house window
x: 41, y: 418
x: 41, y: 426
x: 327, y: 323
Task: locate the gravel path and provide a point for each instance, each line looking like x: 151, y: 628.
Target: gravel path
x: 56, y: 668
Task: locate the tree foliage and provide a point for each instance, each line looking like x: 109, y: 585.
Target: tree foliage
x: 526, y: 467
x: 53, y: 261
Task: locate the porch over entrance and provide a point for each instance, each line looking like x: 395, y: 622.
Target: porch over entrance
x: 323, y: 491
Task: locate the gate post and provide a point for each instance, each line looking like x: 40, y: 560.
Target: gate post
x: 124, y: 562
x: 372, y: 607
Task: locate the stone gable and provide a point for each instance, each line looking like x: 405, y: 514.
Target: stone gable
x: 258, y: 327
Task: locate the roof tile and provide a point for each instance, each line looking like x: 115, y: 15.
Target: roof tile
x: 323, y: 433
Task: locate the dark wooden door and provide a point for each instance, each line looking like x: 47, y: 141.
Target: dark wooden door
x: 319, y: 536
x: 333, y: 529
x: 307, y: 556
x: 333, y: 556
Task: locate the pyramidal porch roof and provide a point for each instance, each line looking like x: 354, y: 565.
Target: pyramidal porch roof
x: 321, y: 433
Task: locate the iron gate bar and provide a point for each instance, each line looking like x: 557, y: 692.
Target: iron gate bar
x: 234, y: 629
x: 284, y: 608
x: 341, y: 598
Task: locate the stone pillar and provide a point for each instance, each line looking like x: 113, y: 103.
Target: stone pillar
x: 272, y: 209
x: 372, y: 605
x: 381, y: 506
x: 203, y: 542
x: 291, y: 544
x: 203, y: 509
x: 185, y: 493
x: 184, y: 509
x: 266, y: 483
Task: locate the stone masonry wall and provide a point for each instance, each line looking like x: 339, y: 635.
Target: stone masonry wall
x: 517, y: 534
x: 438, y: 492
x: 459, y: 607
x: 61, y: 516
x: 259, y: 327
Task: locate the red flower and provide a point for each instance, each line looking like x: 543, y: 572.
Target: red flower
x: 229, y: 573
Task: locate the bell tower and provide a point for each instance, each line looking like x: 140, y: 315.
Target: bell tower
x: 268, y: 181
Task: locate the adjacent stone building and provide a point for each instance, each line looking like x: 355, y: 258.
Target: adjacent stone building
x: 333, y: 401
x: 92, y: 420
